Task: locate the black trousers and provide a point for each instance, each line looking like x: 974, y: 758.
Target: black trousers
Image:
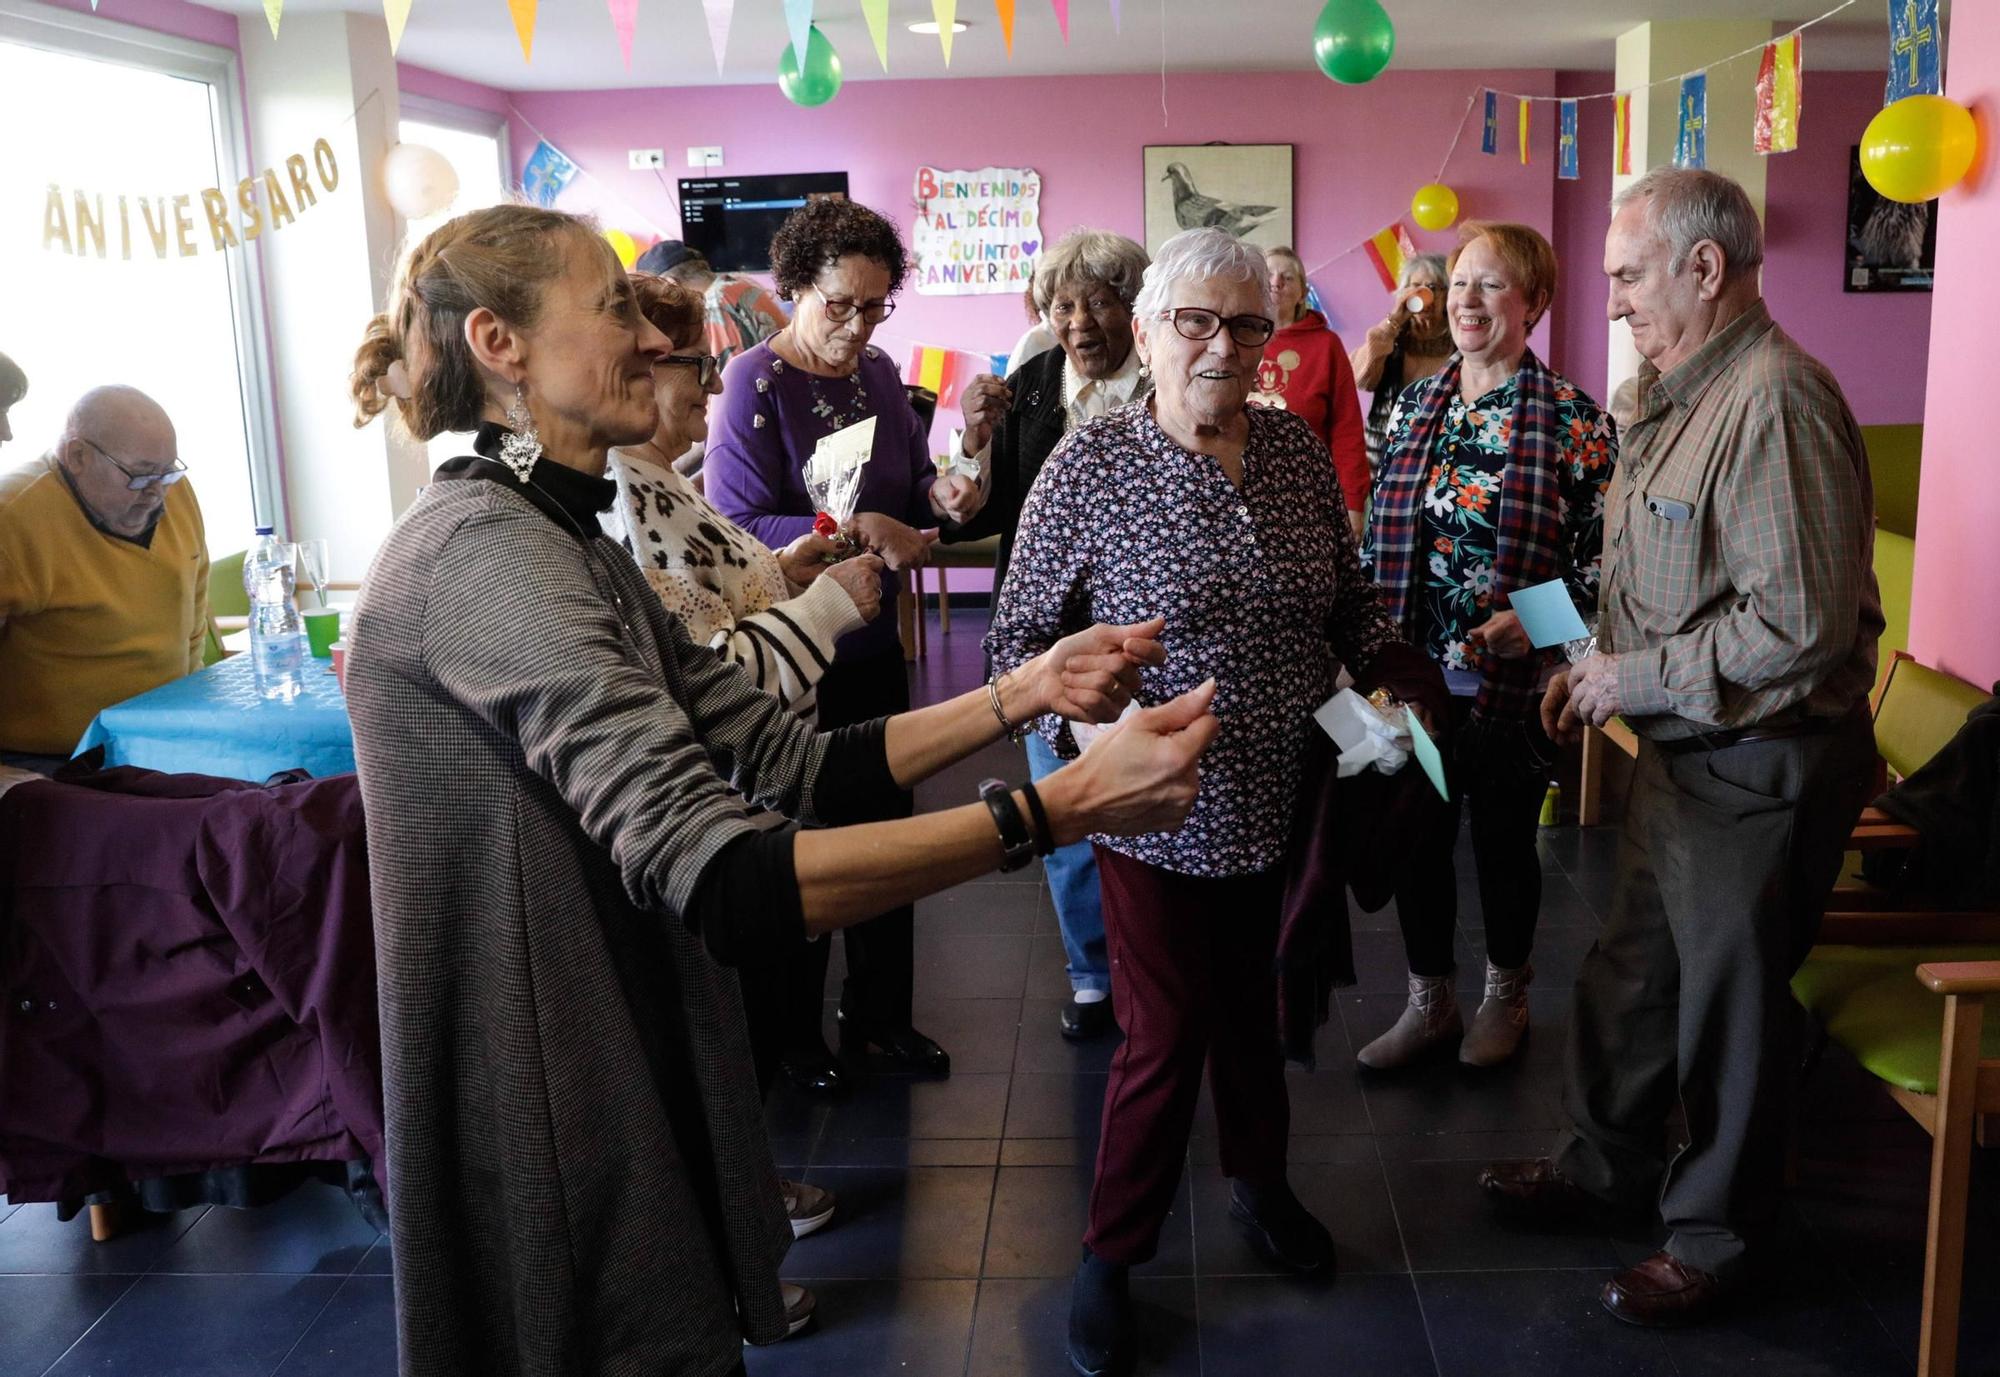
x: 784, y: 1002
x: 1499, y: 773
x: 1724, y: 868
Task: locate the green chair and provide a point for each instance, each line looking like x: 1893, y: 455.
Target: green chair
x: 226, y: 597
x: 1873, y: 984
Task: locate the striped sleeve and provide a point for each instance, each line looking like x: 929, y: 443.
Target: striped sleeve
x: 786, y: 648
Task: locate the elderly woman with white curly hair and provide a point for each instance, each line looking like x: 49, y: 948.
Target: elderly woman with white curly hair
x: 1228, y: 521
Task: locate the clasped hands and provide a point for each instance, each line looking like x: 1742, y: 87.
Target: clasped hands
x: 1585, y: 694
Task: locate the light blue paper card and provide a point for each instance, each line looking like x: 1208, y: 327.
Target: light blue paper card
x: 1548, y: 615
x: 1427, y: 754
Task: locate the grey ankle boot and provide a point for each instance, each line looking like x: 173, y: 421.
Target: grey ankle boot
x: 1502, y: 1020
x: 1430, y: 1019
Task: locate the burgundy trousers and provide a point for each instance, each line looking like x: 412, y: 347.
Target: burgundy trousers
x: 1191, y: 970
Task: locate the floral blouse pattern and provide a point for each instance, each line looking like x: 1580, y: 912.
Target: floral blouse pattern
x: 1462, y: 502
x: 1260, y: 586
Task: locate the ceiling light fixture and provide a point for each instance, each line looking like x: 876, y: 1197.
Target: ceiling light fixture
x: 929, y: 26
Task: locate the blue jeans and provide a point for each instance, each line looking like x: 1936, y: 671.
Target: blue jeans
x: 1072, y: 872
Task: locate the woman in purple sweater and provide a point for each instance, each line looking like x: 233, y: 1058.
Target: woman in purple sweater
x: 841, y: 263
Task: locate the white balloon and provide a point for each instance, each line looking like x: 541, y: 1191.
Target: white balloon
x: 419, y: 180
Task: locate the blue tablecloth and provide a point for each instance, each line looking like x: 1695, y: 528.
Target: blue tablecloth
x: 214, y: 723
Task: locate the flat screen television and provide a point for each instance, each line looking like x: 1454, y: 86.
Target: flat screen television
x: 730, y: 220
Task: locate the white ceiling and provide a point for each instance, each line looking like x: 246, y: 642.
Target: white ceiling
x: 576, y: 48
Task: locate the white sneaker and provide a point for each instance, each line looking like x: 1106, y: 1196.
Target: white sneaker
x: 809, y: 1207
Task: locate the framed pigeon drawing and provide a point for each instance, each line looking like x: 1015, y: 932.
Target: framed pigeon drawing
x: 1245, y: 188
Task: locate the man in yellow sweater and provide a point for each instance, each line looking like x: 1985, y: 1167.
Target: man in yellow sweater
x: 103, y: 574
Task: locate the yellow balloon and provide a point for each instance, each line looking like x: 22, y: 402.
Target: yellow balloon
x: 1918, y: 148
x: 1435, y: 206
x: 624, y: 246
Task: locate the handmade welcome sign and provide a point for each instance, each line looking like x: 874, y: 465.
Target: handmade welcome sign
x: 977, y: 233
x: 82, y: 223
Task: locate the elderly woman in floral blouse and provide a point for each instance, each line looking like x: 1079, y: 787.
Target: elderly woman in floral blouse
x: 1493, y: 480
x: 1228, y: 521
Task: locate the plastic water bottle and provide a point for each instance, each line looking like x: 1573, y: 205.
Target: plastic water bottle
x: 277, y: 633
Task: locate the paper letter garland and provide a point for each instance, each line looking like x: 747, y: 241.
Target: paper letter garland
x: 270, y: 200
x: 1780, y: 83
x: 977, y: 233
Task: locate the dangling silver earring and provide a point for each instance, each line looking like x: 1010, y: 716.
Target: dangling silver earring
x: 521, y: 447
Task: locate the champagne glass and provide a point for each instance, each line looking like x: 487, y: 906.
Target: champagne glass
x: 313, y: 561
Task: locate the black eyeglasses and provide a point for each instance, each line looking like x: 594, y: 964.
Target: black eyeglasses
x: 839, y: 310
x: 708, y: 367
x: 1200, y: 323
x: 139, y: 482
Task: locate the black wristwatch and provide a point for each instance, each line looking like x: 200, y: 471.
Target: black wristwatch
x: 1015, y: 839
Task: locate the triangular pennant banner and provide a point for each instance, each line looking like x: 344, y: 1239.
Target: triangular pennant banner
x: 1062, y: 17
x: 798, y: 19
x: 946, y: 14
x: 718, y: 12
x: 1117, y: 18
x: 1006, y: 12
x: 272, y: 9
x: 396, y: 13
x: 524, y: 25
x: 876, y: 12
x: 624, y: 19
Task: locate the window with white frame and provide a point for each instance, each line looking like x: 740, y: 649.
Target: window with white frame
x: 185, y: 330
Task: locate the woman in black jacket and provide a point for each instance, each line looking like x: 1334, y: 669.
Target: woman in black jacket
x: 1084, y: 287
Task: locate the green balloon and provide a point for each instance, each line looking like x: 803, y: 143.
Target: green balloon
x: 819, y: 81
x: 1353, y: 40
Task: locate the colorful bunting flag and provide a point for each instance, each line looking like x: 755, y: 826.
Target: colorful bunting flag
x: 1062, y: 17
x: 1117, y: 19
x: 876, y: 12
x: 624, y: 20
x: 1691, y: 143
x: 1489, y: 135
x: 547, y: 173
x: 1566, y: 153
x: 717, y: 12
x: 946, y: 14
x: 1913, y: 50
x: 1524, y: 131
x: 395, y: 13
x: 272, y: 9
x: 945, y: 371
x: 798, y: 19
x: 1388, y: 250
x: 1780, y: 86
x: 524, y: 25
x: 1622, y: 116
x: 1005, y: 8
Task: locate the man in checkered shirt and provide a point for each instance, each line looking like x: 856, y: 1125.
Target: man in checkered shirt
x: 1737, y: 638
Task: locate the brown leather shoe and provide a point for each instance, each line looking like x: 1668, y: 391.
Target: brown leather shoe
x: 1662, y: 1291
x: 1537, y: 1192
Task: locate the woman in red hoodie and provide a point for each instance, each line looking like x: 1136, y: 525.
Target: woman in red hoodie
x: 1305, y: 370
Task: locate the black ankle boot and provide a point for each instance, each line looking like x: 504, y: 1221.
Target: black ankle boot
x: 1100, y: 1318
x: 1281, y: 1228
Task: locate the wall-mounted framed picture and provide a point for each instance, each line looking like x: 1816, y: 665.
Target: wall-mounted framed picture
x: 1891, y: 245
x: 1245, y: 188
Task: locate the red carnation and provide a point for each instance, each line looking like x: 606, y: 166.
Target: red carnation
x: 825, y: 525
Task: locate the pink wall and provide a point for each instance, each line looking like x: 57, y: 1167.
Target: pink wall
x: 1361, y: 151
x: 166, y: 16
x: 1876, y: 344
x: 1952, y: 624
x: 421, y: 81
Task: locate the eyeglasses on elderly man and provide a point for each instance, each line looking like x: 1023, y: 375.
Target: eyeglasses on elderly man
x: 139, y: 482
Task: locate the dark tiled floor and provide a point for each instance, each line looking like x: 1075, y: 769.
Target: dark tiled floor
x: 962, y: 1202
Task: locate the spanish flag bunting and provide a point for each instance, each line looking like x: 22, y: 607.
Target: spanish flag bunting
x: 1780, y: 90
x: 624, y: 20
x: 718, y: 13
x: 1062, y: 17
x: 524, y: 25
x: 273, y: 9
x: 876, y: 12
x: 1388, y: 250
x: 1006, y: 12
x: 945, y: 371
x: 946, y: 14
x: 1524, y: 131
x: 1622, y: 116
x: 395, y: 13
